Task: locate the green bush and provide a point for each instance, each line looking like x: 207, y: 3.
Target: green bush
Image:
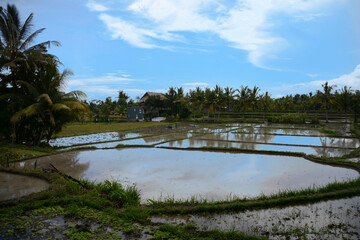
x: 123, y: 196
x: 288, y: 118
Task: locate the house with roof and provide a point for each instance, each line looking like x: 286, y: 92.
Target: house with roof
x: 152, y: 112
x: 154, y: 94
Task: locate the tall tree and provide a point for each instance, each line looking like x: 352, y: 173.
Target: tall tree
x: 243, y: 99
x: 344, y: 98
x: 326, y: 98
x: 253, y: 99
x: 16, y: 52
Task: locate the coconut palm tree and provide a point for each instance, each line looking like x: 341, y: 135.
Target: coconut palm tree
x: 243, y: 99
x: 326, y: 98
x: 210, y: 101
x: 253, y: 99
x: 344, y: 98
x: 229, y: 97
x: 266, y: 103
x: 16, y: 52
x: 46, y: 108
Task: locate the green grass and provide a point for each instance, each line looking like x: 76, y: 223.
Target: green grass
x: 355, y: 130
x: 82, y: 129
x: 329, y: 132
x: 15, y: 152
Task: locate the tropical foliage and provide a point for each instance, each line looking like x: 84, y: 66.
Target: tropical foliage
x: 32, y: 102
x: 245, y: 100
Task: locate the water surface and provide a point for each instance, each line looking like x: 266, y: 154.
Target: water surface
x: 282, y: 139
x: 199, y: 143
x: 335, y: 219
x: 182, y: 174
x: 14, y: 186
x: 91, y: 138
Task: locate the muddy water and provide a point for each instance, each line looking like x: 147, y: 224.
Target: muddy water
x: 182, y: 174
x: 16, y: 186
x: 199, y: 143
x: 140, y: 141
x: 302, y: 132
x: 335, y: 219
x: 91, y: 138
x: 218, y: 129
x: 279, y: 139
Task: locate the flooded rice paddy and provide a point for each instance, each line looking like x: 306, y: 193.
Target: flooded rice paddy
x: 182, y: 174
x: 14, y: 186
x: 265, y: 137
x: 334, y: 219
x: 91, y: 138
x: 200, y: 143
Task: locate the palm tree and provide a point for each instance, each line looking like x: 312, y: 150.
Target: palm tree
x: 243, y: 99
x: 220, y: 98
x: 210, y: 101
x: 253, y: 99
x: 265, y: 102
x: 46, y: 108
x: 326, y: 97
x: 15, y: 51
x: 344, y: 98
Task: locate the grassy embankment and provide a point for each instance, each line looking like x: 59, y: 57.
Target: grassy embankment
x: 89, y: 128
x: 13, y: 152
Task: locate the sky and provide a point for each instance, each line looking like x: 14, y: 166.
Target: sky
x: 282, y: 46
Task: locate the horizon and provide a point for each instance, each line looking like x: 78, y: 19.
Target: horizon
x: 283, y: 47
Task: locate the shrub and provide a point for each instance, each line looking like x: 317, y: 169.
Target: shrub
x: 122, y: 196
x: 288, y: 118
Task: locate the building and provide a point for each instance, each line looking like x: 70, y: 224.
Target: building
x: 135, y: 113
x: 149, y: 94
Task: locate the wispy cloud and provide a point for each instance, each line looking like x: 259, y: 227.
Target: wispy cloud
x: 107, y: 79
x: 244, y: 24
x: 352, y: 79
x: 97, y: 7
x: 196, y: 84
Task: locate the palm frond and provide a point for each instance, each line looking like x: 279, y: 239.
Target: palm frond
x: 58, y: 107
x: 76, y: 94
x: 30, y: 87
x: 30, y: 39
x: 45, y: 99
x: 27, y: 26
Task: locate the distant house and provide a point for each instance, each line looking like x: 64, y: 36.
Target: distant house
x: 148, y: 94
x: 135, y: 113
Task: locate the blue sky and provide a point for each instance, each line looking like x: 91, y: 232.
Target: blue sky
x: 282, y: 46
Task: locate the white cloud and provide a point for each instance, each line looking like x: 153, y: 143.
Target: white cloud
x: 97, y: 7
x: 352, y: 80
x: 107, y: 79
x: 196, y: 84
x: 244, y: 24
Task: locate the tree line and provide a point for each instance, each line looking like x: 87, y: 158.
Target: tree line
x: 176, y: 104
x: 210, y: 101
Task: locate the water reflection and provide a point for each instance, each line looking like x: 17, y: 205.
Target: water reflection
x: 282, y: 139
x: 335, y: 219
x: 69, y: 162
x: 182, y: 174
x: 284, y: 131
x: 139, y: 141
x: 91, y: 138
x: 199, y: 143
x: 15, y: 186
